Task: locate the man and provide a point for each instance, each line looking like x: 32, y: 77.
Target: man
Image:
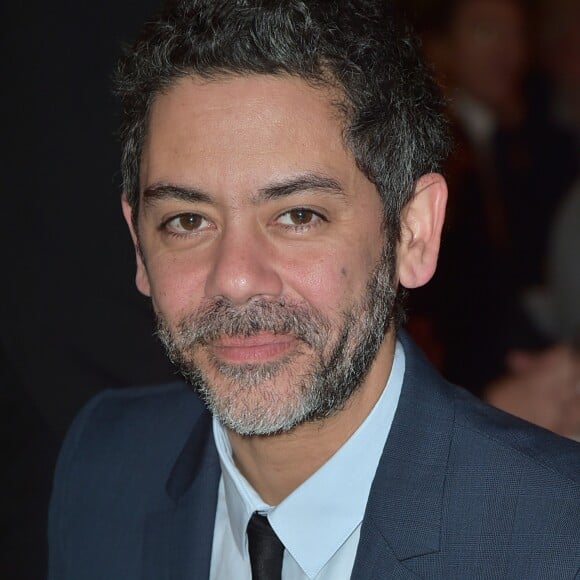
x: 280, y: 183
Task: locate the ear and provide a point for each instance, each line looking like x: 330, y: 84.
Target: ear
x: 421, y: 224
x: 141, y: 278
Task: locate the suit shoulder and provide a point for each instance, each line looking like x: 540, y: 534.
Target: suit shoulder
x: 168, y: 391
x: 134, y: 402
x: 140, y: 427
x: 136, y: 413
x: 112, y: 471
x: 484, y: 437
x: 533, y: 445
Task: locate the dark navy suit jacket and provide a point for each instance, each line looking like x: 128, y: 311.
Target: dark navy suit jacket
x: 462, y: 491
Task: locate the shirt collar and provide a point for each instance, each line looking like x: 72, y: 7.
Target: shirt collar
x: 316, y: 519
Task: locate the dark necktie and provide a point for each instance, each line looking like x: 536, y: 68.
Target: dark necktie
x: 266, y: 550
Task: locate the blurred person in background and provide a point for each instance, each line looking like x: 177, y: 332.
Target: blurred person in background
x: 563, y: 283
x: 555, y: 307
x: 543, y: 387
x: 558, y: 40
x: 512, y: 165
x: 509, y: 171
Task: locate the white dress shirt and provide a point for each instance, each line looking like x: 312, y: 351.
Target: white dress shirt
x: 319, y: 522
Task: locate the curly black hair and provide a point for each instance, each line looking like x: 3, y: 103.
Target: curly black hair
x: 393, y: 112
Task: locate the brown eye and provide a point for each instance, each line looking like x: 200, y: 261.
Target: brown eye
x: 301, y: 217
x: 186, y: 223
x: 189, y: 222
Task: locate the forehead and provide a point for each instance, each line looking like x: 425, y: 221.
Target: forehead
x: 235, y: 133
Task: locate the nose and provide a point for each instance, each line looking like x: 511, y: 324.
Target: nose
x: 243, y: 267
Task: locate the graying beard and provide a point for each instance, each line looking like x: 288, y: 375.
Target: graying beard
x: 252, y: 375
x: 324, y: 389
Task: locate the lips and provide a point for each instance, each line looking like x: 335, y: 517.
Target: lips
x: 262, y: 347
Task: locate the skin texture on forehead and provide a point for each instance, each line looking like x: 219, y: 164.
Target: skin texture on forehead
x: 303, y: 114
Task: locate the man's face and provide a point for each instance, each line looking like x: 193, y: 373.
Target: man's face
x: 262, y: 249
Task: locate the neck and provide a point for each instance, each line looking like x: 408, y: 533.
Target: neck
x: 275, y: 465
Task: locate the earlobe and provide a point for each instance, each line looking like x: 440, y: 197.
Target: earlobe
x: 141, y: 277
x: 421, y: 225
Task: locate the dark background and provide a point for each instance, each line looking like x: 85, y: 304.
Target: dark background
x: 71, y: 321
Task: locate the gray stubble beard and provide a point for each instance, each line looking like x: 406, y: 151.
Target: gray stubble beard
x: 249, y: 405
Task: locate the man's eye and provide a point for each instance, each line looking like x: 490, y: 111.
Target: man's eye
x: 186, y: 223
x: 299, y: 217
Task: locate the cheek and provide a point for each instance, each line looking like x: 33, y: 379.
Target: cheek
x: 176, y: 286
x: 333, y: 282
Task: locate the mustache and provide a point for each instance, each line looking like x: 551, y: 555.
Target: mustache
x: 220, y: 317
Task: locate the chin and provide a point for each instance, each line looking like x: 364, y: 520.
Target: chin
x: 262, y: 399
x: 263, y: 409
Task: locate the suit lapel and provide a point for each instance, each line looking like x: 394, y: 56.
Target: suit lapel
x: 375, y: 559
x: 178, y: 538
x: 403, y: 515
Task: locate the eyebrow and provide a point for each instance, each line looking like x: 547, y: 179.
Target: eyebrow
x: 161, y: 191
x: 276, y: 190
x: 306, y: 182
